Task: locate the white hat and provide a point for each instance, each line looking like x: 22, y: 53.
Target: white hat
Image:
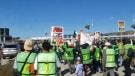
x: 28, y: 45
x: 107, y: 44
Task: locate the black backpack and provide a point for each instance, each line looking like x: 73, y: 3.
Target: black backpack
x: 130, y: 52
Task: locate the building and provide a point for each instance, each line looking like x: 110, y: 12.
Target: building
x: 4, y: 35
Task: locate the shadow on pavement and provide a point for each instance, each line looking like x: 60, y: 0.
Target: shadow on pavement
x: 64, y: 72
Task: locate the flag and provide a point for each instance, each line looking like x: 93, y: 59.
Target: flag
x: 74, y: 34
x: 87, y: 26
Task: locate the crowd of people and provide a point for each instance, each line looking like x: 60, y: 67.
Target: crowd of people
x: 84, y: 60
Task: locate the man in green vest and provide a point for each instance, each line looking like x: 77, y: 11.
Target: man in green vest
x: 69, y: 57
x: 97, y: 59
x: 86, y: 58
x: 120, y: 45
x: 128, y: 52
x: 115, y: 47
x: 109, y: 55
x: 24, y: 60
x: 47, y: 62
x: 128, y: 57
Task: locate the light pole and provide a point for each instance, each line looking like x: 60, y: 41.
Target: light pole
x: 4, y: 35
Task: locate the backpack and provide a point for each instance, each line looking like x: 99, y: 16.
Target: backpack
x: 130, y: 52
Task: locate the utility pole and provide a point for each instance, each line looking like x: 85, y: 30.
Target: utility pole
x: 4, y: 35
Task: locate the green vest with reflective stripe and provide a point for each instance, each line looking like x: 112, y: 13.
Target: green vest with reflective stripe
x: 68, y: 54
x: 21, y: 57
x: 110, y: 58
x: 97, y: 54
x: 127, y: 47
x: 46, y: 64
x: 86, y: 56
x: 134, y: 48
x: 115, y: 47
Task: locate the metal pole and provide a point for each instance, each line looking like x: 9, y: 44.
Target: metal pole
x: 121, y: 37
x: 4, y: 35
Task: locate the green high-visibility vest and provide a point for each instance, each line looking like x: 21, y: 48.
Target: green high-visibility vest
x: 134, y: 48
x: 110, y: 58
x: 121, y: 48
x: 115, y: 47
x: 86, y: 56
x: 97, y: 54
x: 127, y: 47
x: 46, y: 64
x: 21, y: 57
x: 68, y: 54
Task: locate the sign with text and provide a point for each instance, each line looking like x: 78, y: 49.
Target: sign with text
x: 121, y: 26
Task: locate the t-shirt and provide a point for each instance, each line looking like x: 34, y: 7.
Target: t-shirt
x: 79, y: 70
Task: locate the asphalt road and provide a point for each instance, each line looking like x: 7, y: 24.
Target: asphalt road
x: 119, y: 72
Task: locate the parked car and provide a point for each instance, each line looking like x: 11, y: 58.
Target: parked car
x: 10, y: 50
x: 1, y: 45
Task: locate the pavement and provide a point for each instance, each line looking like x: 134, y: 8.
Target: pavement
x: 65, y: 71
x: 7, y: 64
x: 6, y: 67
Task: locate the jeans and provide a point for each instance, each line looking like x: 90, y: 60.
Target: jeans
x: 120, y: 59
x: 71, y: 66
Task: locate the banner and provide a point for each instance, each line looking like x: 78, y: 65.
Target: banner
x: 86, y: 38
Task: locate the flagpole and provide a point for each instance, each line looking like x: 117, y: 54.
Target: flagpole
x: 92, y: 24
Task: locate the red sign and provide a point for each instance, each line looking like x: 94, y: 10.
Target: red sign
x: 57, y: 29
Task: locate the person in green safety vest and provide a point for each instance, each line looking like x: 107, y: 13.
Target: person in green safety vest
x: 128, y: 51
x: 24, y: 62
x: 47, y: 62
x: 69, y: 57
x: 86, y: 58
x: 120, y: 45
x: 128, y: 55
x: 109, y: 54
x: 97, y: 58
x: 64, y: 48
x: 115, y: 47
x: 59, y: 52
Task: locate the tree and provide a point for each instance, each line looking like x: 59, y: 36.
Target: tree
x: 133, y: 26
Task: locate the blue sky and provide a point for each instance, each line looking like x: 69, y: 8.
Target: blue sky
x: 27, y: 18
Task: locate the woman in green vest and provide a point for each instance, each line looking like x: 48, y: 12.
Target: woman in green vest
x: 47, y: 62
x: 109, y: 54
x: 24, y: 61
